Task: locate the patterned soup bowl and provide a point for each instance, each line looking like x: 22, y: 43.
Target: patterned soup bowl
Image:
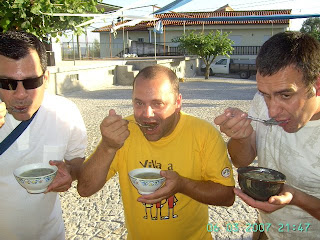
x: 146, y: 180
x: 35, y: 177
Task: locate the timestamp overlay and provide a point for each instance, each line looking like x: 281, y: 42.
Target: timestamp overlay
x: 240, y: 227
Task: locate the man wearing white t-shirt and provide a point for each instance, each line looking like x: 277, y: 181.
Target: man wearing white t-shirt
x: 57, y: 132
x: 288, y: 81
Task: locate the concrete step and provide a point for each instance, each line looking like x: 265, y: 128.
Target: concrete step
x: 125, y: 75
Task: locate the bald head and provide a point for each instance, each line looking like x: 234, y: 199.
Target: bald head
x: 151, y: 73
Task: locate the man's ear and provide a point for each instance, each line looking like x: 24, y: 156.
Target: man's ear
x: 46, y: 78
x: 317, y: 86
x: 179, y: 101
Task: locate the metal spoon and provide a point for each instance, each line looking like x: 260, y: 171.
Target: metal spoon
x: 270, y: 121
x: 139, y: 124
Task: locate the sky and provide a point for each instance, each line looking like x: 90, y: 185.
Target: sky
x: 145, y: 7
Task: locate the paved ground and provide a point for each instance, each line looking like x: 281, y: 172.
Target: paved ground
x: 101, y: 215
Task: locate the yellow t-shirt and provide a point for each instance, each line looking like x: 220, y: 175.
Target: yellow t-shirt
x: 196, y: 150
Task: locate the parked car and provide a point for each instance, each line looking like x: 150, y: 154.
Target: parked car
x: 244, y: 67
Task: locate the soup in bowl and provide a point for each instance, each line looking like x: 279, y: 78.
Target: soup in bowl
x: 35, y: 177
x: 260, y: 183
x: 146, y: 180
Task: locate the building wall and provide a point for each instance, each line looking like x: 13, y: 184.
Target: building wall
x: 242, y: 35
x: 251, y: 35
x: 147, y: 49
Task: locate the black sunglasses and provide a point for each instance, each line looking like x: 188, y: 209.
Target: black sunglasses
x: 28, y: 83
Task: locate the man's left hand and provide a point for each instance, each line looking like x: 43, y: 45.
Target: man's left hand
x: 63, y: 180
x: 274, y: 203
x: 169, y: 189
x: 3, y: 112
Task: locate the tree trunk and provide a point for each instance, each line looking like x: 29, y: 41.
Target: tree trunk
x: 206, y: 75
x: 79, y: 47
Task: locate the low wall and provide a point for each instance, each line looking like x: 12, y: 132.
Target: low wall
x: 90, y: 76
x: 184, y: 67
x: 94, y: 75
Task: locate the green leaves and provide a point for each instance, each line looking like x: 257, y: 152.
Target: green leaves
x: 312, y: 26
x: 26, y: 15
x: 207, y: 46
x: 212, y: 44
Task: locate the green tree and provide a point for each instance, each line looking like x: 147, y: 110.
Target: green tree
x: 26, y: 15
x: 207, y: 46
x: 96, y: 48
x: 311, y: 26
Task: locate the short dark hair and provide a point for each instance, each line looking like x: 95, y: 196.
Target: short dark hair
x: 151, y: 72
x: 17, y: 45
x: 298, y: 49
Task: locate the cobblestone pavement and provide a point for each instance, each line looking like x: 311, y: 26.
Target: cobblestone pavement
x: 101, y: 215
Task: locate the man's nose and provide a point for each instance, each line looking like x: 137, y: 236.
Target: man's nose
x: 274, y: 108
x: 148, y: 112
x: 20, y: 91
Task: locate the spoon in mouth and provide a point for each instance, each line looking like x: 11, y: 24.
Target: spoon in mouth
x: 140, y: 125
x: 270, y: 121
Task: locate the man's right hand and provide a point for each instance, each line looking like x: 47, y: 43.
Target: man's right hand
x: 234, y: 123
x: 93, y: 173
x: 114, y: 131
x: 3, y: 112
x: 242, y: 143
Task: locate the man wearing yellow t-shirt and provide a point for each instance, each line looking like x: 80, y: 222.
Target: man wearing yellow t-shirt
x: 190, y: 152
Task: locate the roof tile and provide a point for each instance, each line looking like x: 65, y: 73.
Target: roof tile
x: 143, y: 26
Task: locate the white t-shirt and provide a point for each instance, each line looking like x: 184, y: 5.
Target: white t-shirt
x: 57, y: 132
x: 297, y: 155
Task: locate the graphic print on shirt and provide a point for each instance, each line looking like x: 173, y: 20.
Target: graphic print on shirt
x: 155, y: 211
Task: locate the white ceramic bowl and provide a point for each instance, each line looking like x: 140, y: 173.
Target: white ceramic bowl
x: 146, y: 186
x: 37, y: 184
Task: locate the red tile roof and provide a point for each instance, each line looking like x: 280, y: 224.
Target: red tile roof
x: 143, y: 26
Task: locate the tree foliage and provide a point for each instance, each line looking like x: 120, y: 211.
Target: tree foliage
x: 311, y: 26
x: 96, y: 49
x: 207, y: 46
x: 26, y: 15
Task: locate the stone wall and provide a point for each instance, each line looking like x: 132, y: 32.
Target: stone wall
x: 90, y: 76
x: 184, y: 67
x: 94, y: 75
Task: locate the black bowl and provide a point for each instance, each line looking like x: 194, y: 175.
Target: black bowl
x: 260, y: 183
